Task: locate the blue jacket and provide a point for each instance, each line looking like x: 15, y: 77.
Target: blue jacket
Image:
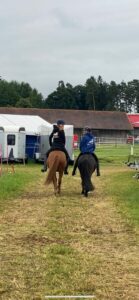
x: 87, y: 144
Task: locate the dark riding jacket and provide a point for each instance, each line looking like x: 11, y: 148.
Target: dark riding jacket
x: 57, y: 139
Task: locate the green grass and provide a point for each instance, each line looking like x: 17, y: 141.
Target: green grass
x: 114, y: 154
x: 125, y: 190
x: 13, y: 184
x: 67, y: 245
x: 127, y: 193
x: 122, y: 185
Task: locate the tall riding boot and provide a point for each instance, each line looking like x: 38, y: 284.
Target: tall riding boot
x: 75, y: 167
x: 66, y: 168
x: 97, y: 166
x: 44, y: 169
x: 98, y: 170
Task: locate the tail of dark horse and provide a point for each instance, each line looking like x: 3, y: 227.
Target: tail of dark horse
x: 52, y: 170
x: 87, y: 166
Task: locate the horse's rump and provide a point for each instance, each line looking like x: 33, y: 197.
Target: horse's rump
x: 87, y: 165
x: 56, y: 163
x: 58, y: 158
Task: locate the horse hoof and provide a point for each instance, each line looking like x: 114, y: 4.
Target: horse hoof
x: 93, y: 188
x: 86, y: 194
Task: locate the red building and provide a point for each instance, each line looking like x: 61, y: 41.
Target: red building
x: 134, y: 121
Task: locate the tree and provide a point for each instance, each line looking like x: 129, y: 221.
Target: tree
x: 8, y: 95
x: 102, y: 94
x: 25, y: 90
x: 113, y: 97
x: 96, y: 94
x: 24, y: 102
x: 91, y: 93
x: 12, y: 92
x: 79, y: 92
x: 133, y: 89
x: 36, y: 99
x: 63, y: 97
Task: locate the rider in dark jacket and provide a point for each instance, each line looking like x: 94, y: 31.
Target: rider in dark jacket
x: 57, y: 141
x: 87, y: 145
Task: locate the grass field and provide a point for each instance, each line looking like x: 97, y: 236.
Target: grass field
x: 13, y: 184
x: 117, y: 154
x: 70, y: 245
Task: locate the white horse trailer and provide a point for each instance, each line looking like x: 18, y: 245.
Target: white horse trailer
x: 12, y: 143
x: 43, y: 145
x: 45, y: 132
x: 69, y: 140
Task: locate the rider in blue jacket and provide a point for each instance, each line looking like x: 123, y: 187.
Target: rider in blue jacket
x: 87, y: 145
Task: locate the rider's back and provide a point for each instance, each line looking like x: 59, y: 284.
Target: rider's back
x: 87, y: 144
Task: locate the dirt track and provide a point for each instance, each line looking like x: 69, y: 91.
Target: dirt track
x: 100, y: 252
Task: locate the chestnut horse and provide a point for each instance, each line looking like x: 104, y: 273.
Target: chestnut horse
x: 56, y: 163
x: 86, y: 165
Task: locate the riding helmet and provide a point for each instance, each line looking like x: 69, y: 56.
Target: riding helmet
x: 87, y: 128
x: 60, y: 122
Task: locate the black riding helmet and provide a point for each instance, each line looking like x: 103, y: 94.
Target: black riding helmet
x: 60, y: 122
x: 87, y: 129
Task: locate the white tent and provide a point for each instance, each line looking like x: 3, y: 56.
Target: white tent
x: 32, y: 124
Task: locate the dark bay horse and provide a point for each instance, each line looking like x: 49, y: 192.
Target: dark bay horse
x: 86, y: 165
x: 56, y: 163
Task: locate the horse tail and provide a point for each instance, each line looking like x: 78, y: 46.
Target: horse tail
x: 86, y: 166
x: 52, y: 170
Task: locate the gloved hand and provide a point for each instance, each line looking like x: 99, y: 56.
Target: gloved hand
x: 55, y: 129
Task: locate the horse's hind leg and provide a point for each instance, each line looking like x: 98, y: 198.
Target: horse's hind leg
x: 59, y: 184
x: 82, y: 192
x: 91, y: 189
x: 55, y: 184
x: 86, y: 193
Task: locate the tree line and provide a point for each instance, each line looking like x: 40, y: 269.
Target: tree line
x: 95, y: 94
x: 16, y: 94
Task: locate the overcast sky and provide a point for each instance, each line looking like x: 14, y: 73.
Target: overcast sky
x: 45, y: 41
